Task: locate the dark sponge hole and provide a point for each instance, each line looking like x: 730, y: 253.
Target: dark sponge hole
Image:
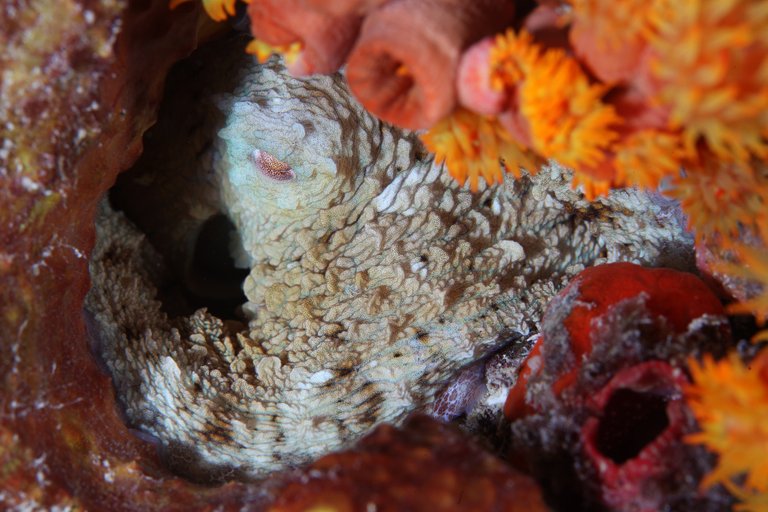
x: 631, y: 421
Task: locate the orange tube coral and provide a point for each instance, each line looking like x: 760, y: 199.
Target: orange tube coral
x: 325, y: 38
x: 752, y: 267
x: 610, y: 37
x: 720, y: 198
x: 472, y: 145
x: 555, y: 108
x: 403, y: 68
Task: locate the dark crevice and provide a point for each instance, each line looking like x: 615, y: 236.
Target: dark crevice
x: 210, y: 280
x: 171, y: 197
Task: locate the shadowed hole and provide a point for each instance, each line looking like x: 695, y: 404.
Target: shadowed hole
x: 212, y: 280
x: 630, y: 422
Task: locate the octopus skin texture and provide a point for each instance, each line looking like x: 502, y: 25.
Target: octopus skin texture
x: 372, y: 278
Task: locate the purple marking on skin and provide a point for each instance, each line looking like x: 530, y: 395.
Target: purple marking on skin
x: 271, y: 167
x: 148, y: 438
x: 461, y: 394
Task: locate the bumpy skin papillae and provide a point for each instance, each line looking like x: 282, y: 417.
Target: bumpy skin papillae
x: 373, y: 276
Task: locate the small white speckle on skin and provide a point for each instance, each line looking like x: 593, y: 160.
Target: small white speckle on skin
x: 419, y: 267
x: 109, y: 475
x: 321, y: 377
x: 498, y: 398
x: 496, y: 206
x: 80, y: 135
x: 383, y: 202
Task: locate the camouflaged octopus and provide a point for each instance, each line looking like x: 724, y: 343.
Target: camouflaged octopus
x: 372, y: 276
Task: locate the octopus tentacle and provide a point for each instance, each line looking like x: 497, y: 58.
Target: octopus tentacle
x: 371, y: 280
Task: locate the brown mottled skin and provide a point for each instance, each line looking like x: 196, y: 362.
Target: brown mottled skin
x: 372, y: 276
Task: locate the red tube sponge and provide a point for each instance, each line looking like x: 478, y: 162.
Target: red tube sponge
x: 326, y: 37
x: 639, y: 419
x: 403, y: 67
x: 677, y: 297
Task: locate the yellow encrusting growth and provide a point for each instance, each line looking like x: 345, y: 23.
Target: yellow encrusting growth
x: 262, y: 51
x: 218, y: 10
x: 710, y: 67
x: 472, y: 145
x: 730, y: 402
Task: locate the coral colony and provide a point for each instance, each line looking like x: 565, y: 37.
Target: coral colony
x: 313, y: 286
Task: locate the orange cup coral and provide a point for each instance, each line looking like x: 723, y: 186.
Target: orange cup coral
x: 721, y: 197
x: 709, y: 65
x: 553, y: 109
x: 472, y: 145
x: 563, y: 111
x: 730, y: 402
x: 754, y: 268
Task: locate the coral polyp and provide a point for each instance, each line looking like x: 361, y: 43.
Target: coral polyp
x: 709, y: 67
x: 474, y: 146
x: 722, y: 197
x: 644, y: 158
x: 752, y: 266
x: 562, y: 111
x: 264, y: 51
x: 730, y: 401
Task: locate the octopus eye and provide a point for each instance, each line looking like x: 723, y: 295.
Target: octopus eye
x: 271, y: 167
